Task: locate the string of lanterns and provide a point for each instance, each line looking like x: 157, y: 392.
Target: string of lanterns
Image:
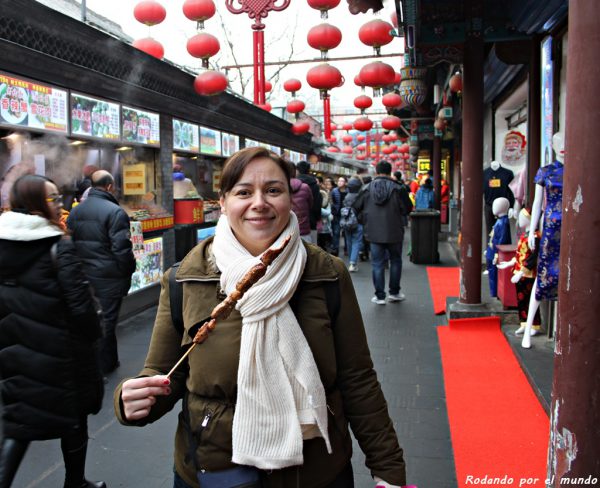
x: 150, y: 13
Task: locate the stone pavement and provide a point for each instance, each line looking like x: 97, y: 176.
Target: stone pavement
x: 404, y: 346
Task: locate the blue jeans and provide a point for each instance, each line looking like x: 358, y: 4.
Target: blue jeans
x: 378, y: 258
x: 354, y: 242
x: 335, y: 235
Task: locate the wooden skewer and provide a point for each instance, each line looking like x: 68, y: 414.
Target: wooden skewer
x: 223, y: 309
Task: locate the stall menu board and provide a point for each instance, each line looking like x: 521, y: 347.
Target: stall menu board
x: 251, y: 143
x: 210, y: 141
x: 134, y: 179
x: 148, y: 264
x: 230, y: 144
x: 94, y: 118
x: 185, y: 136
x: 140, y: 127
x: 31, y: 105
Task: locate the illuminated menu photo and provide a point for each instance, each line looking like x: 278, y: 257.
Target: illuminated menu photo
x: 91, y: 117
x: 31, y: 105
x: 140, y: 127
x: 185, y: 136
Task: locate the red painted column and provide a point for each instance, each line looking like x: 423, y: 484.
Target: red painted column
x: 259, y: 67
x: 575, y: 412
x: 327, y: 116
x: 472, y: 172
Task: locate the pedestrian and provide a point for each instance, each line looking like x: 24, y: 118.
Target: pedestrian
x: 382, y: 206
x: 49, y: 323
x: 337, y: 198
x: 270, y: 401
x: 100, y: 230
x: 353, y: 229
x: 366, y: 248
x: 324, y: 225
x: 303, y: 174
x: 424, y: 199
x: 302, y: 201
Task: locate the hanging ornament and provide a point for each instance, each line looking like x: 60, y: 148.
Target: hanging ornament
x: 391, y: 122
x: 150, y: 46
x: 333, y: 149
x: 455, y: 83
x: 360, y: 138
x: 363, y: 102
x: 265, y: 106
x: 199, y: 11
x: 324, y: 37
x: 347, y: 126
x: 323, y: 6
x: 295, y: 106
x: 391, y: 100
x: 347, y: 150
x: 300, y: 128
x: 363, y: 124
x: 413, y: 88
x: 292, y: 85
x: 324, y: 77
x: 203, y: 46
x: 377, y: 75
x: 376, y: 33
x: 361, y: 147
x: 149, y: 12
x: 210, y: 83
x: 347, y: 139
x: 268, y: 86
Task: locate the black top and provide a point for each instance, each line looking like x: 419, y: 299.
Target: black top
x: 495, y: 185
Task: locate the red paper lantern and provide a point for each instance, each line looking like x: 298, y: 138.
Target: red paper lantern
x: 295, y: 106
x: 347, y: 150
x: 268, y: 86
x: 203, y: 45
x: 324, y: 37
x: 391, y: 100
x: 361, y: 157
x: 376, y: 33
x: 363, y: 124
x: 210, y: 83
x: 387, y: 150
x: 455, y: 83
x: 363, y: 102
x: 397, y: 78
x: 360, y: 138
x: 361, y: 147
x: 391, y: 122
x: 332, y: 140
x: 333, y: 149
x: 358, y: 81
x: 332, y: 127
x: 324, y: 77
x: 199, y: 10
x: 392, y: 136
x: 347, y: 126
x: 149, y: 12
x: 347, y: 139
x: 300, y: 128
x: 323, y: 5
x: 265, y: 106
x: 150, y: 46
x: 292, y: 85
x: 404, y: 148
x: 386, y: 138
x: 377, y: 75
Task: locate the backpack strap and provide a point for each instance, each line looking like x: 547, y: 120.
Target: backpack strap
x: 332, y: 297
x: 176, y: 299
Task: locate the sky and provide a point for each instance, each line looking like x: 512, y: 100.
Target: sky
x: 282, y: 29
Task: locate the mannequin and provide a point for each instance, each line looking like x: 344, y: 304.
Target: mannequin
x: 525, y: 263
x: 550, y: 178
x: 500, y: 234
x: 496, y: 179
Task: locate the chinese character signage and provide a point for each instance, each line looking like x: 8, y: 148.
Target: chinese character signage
x: 31, y: 105
x: 185, y: 136
x: 230, y: 144
x: 148, y: 264
x: 134, y: 179
x: 140, y: 127
x: 94, y: 118
x: 210, y: 141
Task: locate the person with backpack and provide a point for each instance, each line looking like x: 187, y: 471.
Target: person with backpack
x: 50, y: 377
x: 349, y: 224
x: 269, y: 396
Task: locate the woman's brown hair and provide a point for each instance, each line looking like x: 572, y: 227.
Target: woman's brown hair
x: 236, y: 164
x: 28, y: 194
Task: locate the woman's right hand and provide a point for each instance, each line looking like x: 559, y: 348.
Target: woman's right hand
x: 139, y: 394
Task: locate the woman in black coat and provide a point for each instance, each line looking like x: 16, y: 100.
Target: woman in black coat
x: 49, y: 323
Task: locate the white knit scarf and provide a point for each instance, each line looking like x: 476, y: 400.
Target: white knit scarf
x: 280, y: 398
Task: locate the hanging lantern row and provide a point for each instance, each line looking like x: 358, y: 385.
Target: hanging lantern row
x: 150, y: 13
x: 204, y: 46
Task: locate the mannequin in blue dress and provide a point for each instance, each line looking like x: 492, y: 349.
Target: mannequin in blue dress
x: 549, y: 180
x: 500, y: 234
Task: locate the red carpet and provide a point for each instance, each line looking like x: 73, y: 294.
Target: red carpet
x: 443, y: 282
x: 497, y: 424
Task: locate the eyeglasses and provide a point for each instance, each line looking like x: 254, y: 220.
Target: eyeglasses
x: 58, y: 199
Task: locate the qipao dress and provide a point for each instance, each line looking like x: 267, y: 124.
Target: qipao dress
x: 551, y: 178
x: 500, y: 235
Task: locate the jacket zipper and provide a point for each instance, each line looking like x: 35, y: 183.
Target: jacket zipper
x: 203, y: 425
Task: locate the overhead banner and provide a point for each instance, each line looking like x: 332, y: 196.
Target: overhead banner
x: 32, y: 105
x: 140, y: 127
x: 185, y: 136
x: 92, y: 117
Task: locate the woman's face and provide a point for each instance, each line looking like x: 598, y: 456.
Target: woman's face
x: 328, y: 184
x: 54, y: 199
x: 258, y: 206
x: 341, y: 183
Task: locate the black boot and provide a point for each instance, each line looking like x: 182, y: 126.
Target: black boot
x: 74, y: 449
x: 11, y: 455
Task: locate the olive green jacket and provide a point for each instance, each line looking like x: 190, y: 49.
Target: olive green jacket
x: 209, y: 386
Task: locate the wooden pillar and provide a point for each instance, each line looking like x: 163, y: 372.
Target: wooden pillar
x: 436, y: 162
x: 575, y: 413
x: 472, y: 166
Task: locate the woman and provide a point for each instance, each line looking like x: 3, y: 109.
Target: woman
x: 243, y: 404
x: 51, y: 380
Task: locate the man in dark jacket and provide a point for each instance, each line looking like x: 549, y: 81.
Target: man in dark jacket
x: 315, y: 213
x: 382, y: 206
x: 100, y: 230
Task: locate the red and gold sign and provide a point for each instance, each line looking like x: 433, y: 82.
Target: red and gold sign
x: 158, y: 223
x: 188, y: 211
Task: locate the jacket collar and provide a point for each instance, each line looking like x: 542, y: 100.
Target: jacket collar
x: 199, y: 264
x: 15, y: 226
x: 98, y: 193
